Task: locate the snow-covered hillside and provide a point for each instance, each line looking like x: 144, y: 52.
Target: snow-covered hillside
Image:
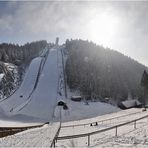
x: 35, y: 102
x: 43, y: 86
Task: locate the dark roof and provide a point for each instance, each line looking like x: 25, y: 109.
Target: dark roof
x: 130, y: 103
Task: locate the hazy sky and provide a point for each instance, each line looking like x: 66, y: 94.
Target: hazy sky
x: 123, y: 26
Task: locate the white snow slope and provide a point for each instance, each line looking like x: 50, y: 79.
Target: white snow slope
x: 38, y: 137
x: 40, y: 102
x: 43, y: 101
x: 25, y: 89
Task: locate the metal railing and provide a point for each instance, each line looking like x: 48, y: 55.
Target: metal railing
x: 55, y: 137
x: 100, y: 131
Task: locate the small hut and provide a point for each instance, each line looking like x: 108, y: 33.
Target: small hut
x: 130, y: 104
x: 61, y: 103
x: 76, y: 98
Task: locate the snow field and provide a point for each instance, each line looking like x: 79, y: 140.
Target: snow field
x: 38, y: 137
x: 108, y: 123
x: 100, y: 139
x: 127, y: 137
x: 78, y: 110
x: 113, y: 112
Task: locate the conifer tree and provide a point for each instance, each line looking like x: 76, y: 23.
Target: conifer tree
x: 144, y: 84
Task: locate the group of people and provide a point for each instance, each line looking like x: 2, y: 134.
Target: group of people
x: 95, y: 124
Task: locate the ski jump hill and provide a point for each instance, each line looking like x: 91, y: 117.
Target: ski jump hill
x: 38, y: 94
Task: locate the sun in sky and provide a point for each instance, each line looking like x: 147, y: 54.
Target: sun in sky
x: 103, y: 28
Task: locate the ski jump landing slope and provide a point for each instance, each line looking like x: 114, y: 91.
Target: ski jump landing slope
x: 42, y: 102
x: 25, y: 89
x: 44, y: 99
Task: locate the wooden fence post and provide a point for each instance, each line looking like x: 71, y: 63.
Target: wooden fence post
x: 116, y: 130
x: 88, y: 140
x: 54, y: 143
x: 135, y: 124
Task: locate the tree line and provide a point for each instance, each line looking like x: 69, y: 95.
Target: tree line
x: 99, y: 72
x: 16, y: 54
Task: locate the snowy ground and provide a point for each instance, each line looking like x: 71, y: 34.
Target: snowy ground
x: 38, y: 137
x: 127, y: 135
x: 101, y: 125
x: 102, y: 118
x: 18, y: 120
x: 108, y: 139
x: 78, y: 110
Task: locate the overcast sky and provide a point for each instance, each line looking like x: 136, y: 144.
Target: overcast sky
x: 122, y: 26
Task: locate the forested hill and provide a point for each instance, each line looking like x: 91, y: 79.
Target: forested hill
x: 99, y: 72
x: 16, y: 54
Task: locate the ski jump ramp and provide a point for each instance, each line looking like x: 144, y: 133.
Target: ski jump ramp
x: 26, y: 87
x: 37, y: 96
